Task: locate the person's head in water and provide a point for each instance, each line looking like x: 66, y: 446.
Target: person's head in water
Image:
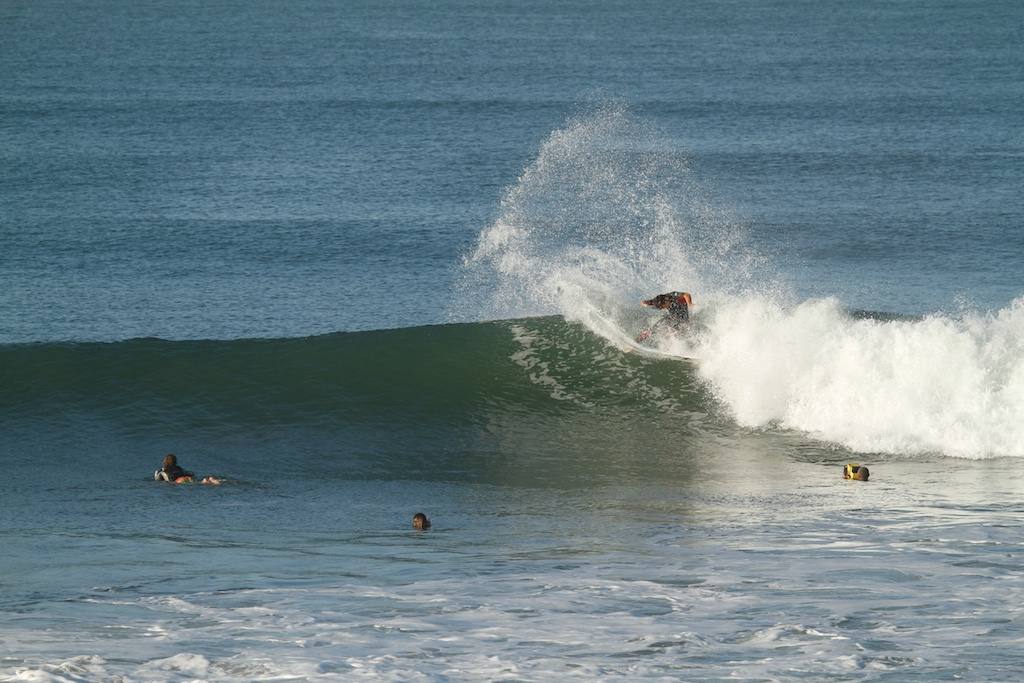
x: 420, y: 521
x: 170, y: 460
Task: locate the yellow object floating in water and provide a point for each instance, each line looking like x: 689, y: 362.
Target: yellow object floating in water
x: 855, y: 471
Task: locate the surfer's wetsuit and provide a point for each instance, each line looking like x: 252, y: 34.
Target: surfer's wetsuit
x: 678, y: 313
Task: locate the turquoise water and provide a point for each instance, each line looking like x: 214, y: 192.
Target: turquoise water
x: 365, y: 260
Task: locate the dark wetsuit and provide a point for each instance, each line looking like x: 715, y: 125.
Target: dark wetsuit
x: 175, y: 472
x: 678, y: 312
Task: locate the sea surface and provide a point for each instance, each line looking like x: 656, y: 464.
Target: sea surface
x: 367, y: 259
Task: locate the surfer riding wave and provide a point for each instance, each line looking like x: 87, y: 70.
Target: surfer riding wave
x: 677, y: 313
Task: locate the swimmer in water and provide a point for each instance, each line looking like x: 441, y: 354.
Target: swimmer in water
x: 420, y: 522
x: 173, y: 473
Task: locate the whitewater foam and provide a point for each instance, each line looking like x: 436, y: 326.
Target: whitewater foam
x: 941, y: 384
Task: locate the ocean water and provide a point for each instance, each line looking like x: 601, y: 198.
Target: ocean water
x: 363, y: 260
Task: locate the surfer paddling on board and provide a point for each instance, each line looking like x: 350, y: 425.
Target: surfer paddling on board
x: 174, y: 473
x: 677, y: 316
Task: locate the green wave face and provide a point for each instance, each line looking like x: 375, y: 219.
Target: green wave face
x: 459, y: 370
x: 449, y: 401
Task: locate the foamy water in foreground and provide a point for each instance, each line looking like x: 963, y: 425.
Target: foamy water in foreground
x: 767, y: 570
